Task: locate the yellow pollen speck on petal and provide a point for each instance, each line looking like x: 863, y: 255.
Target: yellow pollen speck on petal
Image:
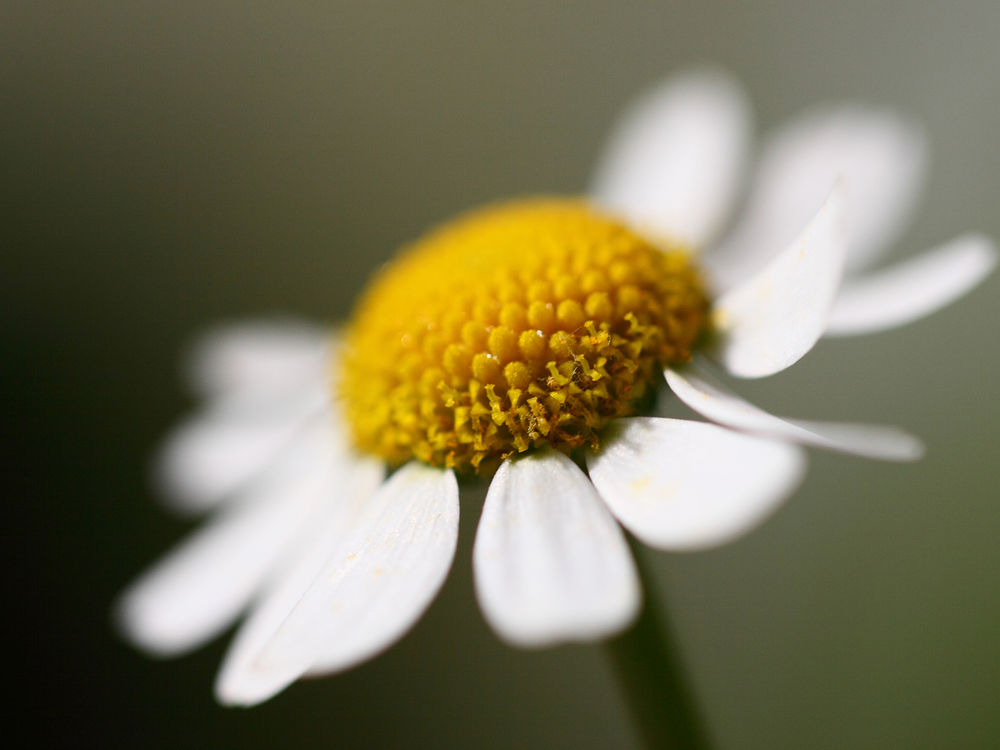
x: 513, y: 327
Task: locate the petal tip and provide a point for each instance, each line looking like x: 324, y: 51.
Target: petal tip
x: 139, y: 622
x: 774, y: 318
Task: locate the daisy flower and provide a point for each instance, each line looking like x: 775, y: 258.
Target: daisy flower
x: 523, y: 342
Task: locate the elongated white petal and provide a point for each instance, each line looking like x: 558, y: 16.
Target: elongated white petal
x: 374, y: 586
x: 711, y: 400
x: 681, y: 485
x: 674, y: 162
x: 880, y: 155
x: 550, y: 563
x: 238, y: 682
x: 203, y: 585
x: 912, y: 289
x: 769, y: 321
x: 259, y: 358
x: 218, y: 451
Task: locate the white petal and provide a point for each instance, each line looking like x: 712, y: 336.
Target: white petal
x: 203, y: 585
x: 882, y: 158
x: 374, y: 586
x: 218, y: 451
x: 769, y: 321
x: 550, y: 563
x: 711, y: 400
x: 681, y: 485
x: 238, y: 682
x: 259, y: 358
x: 912, y: 289
x: 674, y: 162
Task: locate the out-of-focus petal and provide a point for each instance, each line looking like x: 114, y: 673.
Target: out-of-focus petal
x: 882, y: 158
x: 711, y: 400
x: 217, y: 452
x: 674, y: 162
x: 238, y: 683
x: 912, y: 289
x: 259, y: 358
x: 377, y: 582
x: 770, y: 321
x: 550, y: 563
x: 682, y: 485
x: 204, y: 584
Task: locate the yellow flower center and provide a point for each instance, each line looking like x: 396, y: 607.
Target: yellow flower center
x: 514, y: 326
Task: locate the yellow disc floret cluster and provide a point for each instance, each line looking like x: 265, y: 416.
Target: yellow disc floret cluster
x: 515, y: 326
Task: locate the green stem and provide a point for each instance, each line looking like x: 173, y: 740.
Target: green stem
x: 653, y: 678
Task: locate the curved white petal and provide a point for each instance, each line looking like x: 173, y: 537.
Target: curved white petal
x: 882, y: 157
x: 681, y: 485
x: 238, y: 682
x: 550, y: 563
x: 711, y: 400
x: 203, y: 585
x: 674, y: 161
x: 912, y: 289
x: 218, y: 451
x: 374, y: 586
x: 259, y: 358
x: 769, y: 321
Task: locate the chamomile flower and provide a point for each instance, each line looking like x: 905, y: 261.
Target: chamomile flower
x: 523, y: 342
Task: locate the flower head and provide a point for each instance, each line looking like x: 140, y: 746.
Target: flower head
x: 524, y: 342
x: 519, y: 326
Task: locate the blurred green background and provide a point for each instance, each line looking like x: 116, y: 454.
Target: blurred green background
x: 167, y: 165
